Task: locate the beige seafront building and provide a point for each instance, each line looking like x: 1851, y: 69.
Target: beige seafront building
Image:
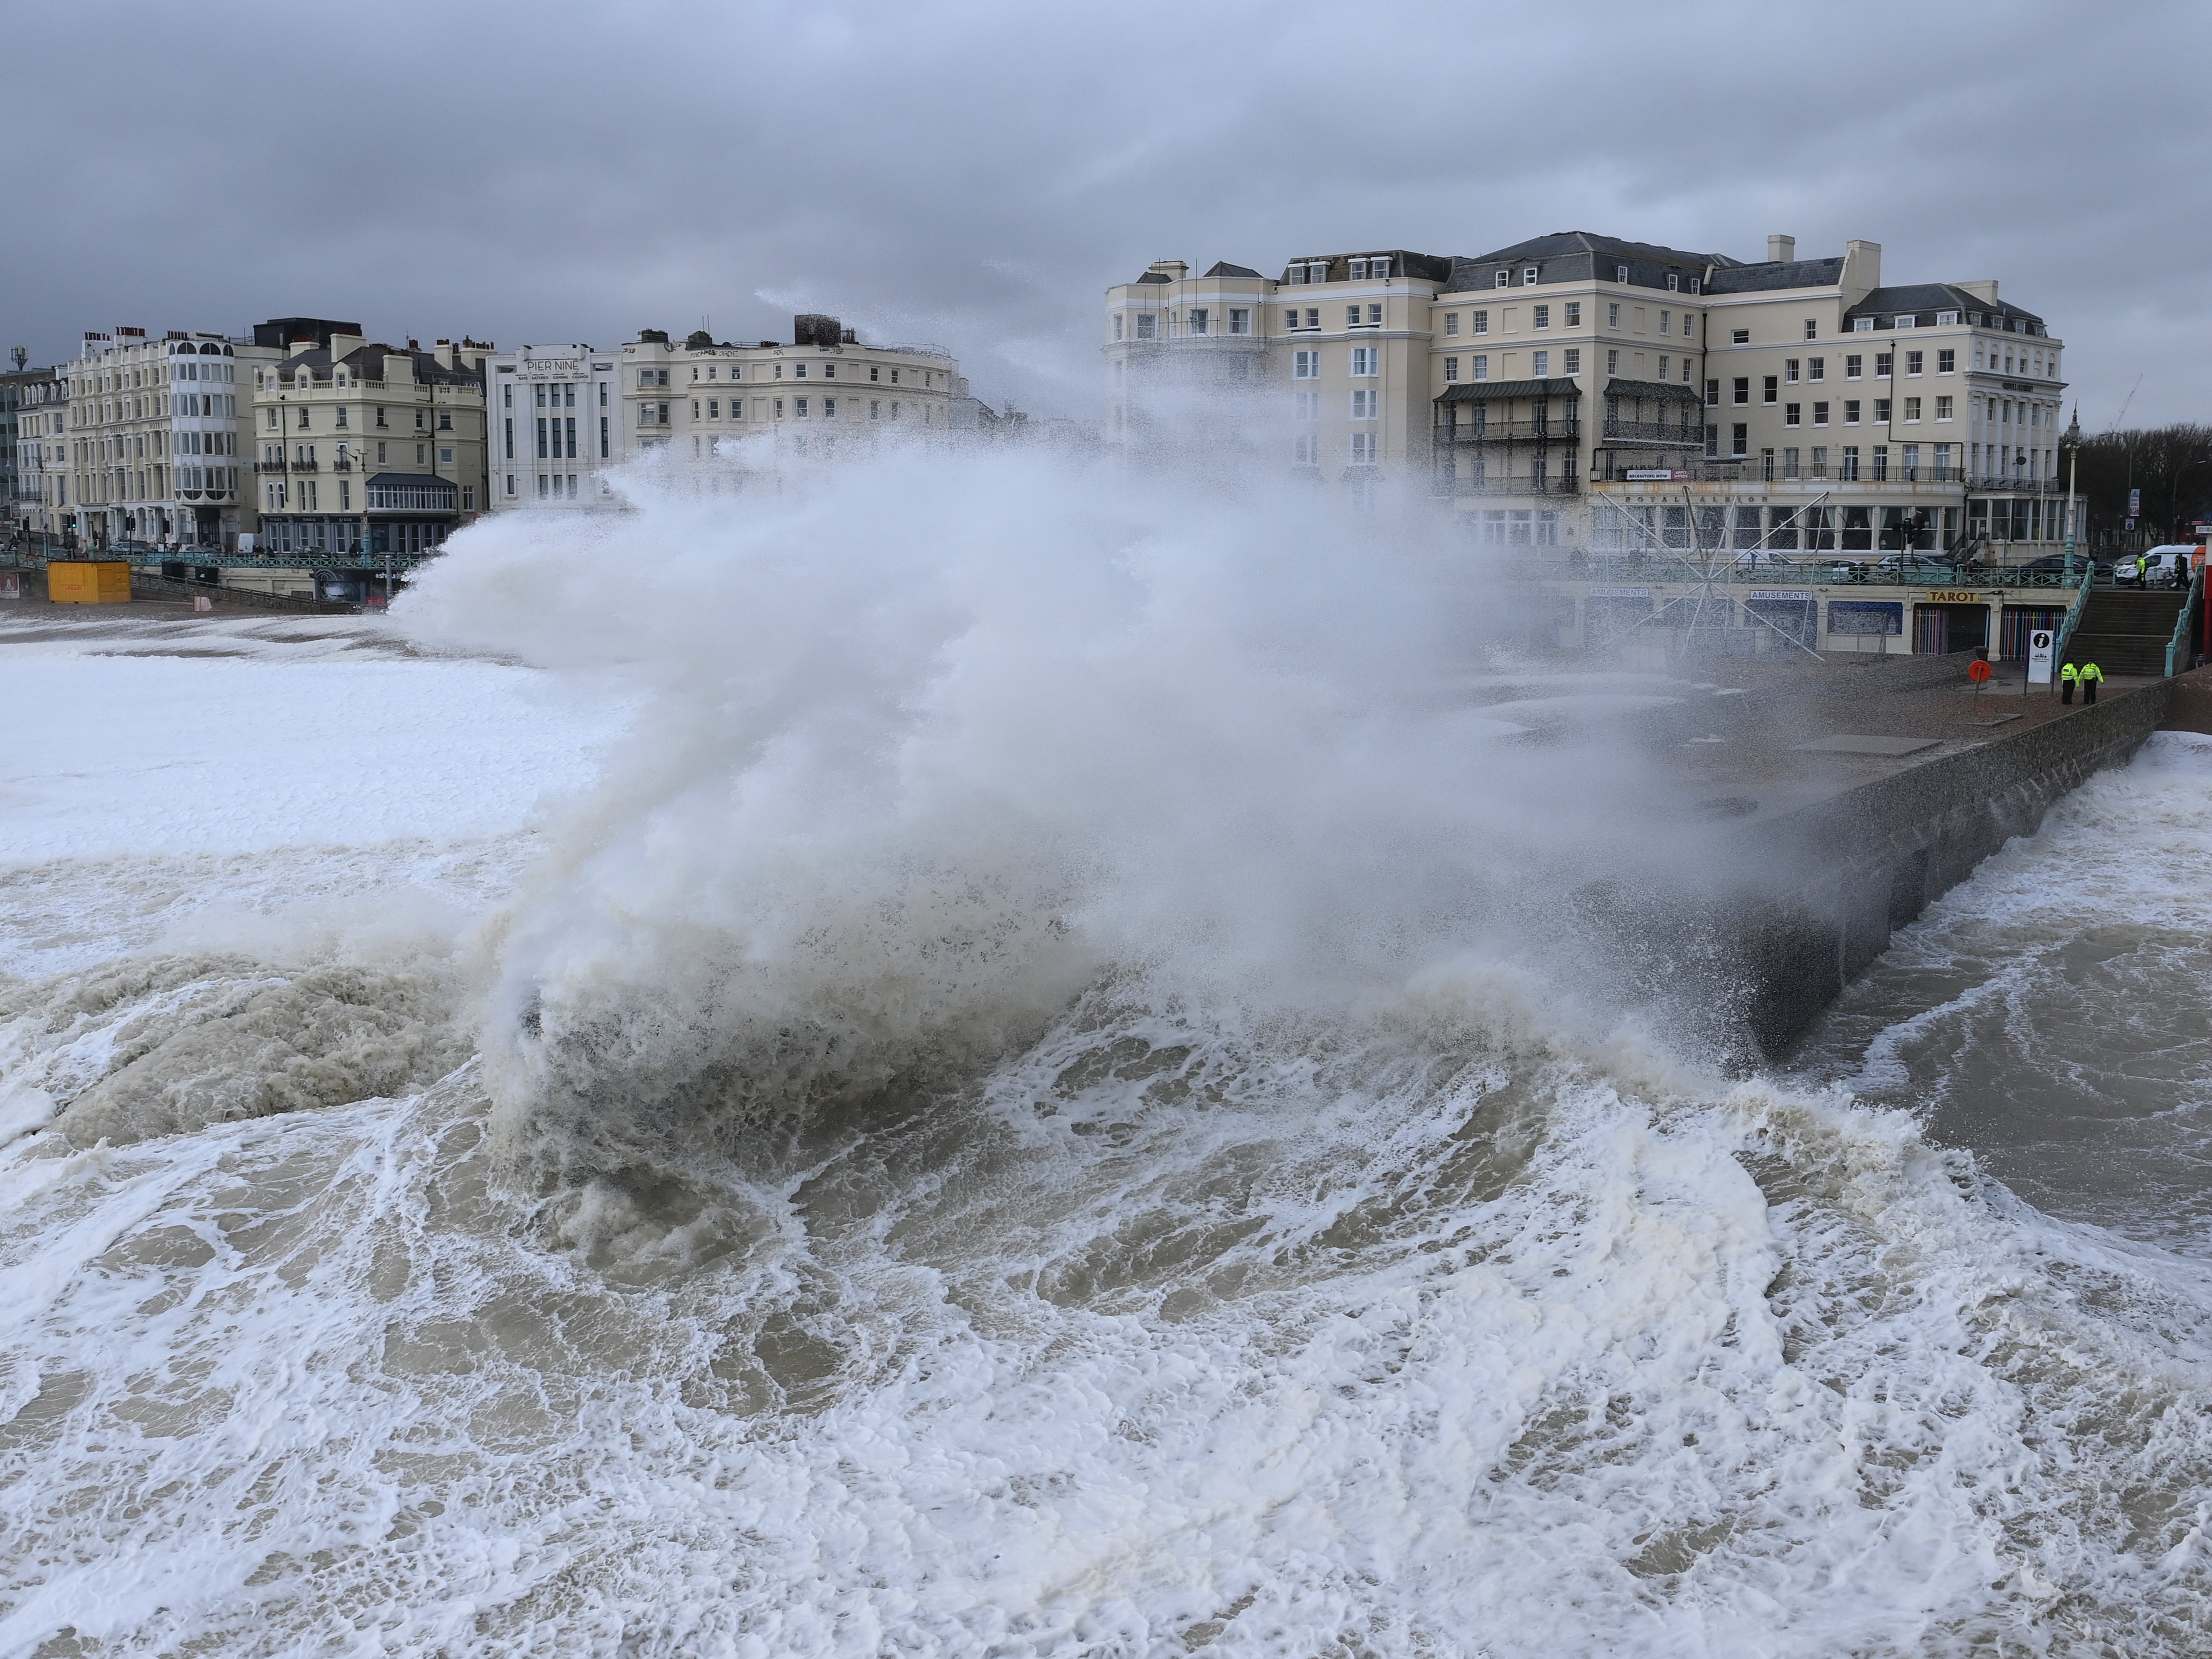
x: 563, y: 414
x: 1576, y: 390
x: 361, y: 449
x: 144, y: 441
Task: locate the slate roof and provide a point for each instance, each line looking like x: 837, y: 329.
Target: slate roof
x: 1923, y: 299
x: 1222, y: 268
x: 1571, y: 255
x: 1665, y: 389
x: 1472, y: 391
x: 1156, y: 276
x: 1430, y: 267
x: 1777, y: 274
x: 367, y: 364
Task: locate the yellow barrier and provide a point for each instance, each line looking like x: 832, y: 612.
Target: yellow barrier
x: 81, y: 581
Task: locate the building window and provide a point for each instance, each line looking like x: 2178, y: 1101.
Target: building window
x: 1612, y: 316
x: 1739, y: 439
x: 1147, y: 327
x: 1451, y: 325
x: 1911, y: 409
x: 1913, y: 359
x: 1574, y: 314
x: 1201, y: 321
x: 1480, y: 366
x: 1713, y: 394
x: 1769, y: 390
x: 1820, y: 414
x: 1947, y: 361
x: 1363, y: 448
x: 1451, y: 368
x: 1741, y: 337
x: 1305, y: 365
x: 446, y: 457
x: 1816, y: 368
x: 445, y: 416
x: 1541, y: 317
x: 1943, y: 406
x: 1851, y: 411
x: 1812, y: 328
x: 1505, y: 279
x: 1481, y: 322
x: 1740, y: 389
x: 1613, y: 362
x: 603, y: 436
x: 1540, y: 365
x: 1574, y: 361
x: 1240, y: 320
x: 1666, y: 322
x: 1673, y: 282
x: 1620, y: 273
x: 1529, y: 277
x: 1305, y: 449
x: 1885, y: 364
x: 1880, y: 462
x: 1663, y: 369
x: 1789, y: 464
x: 1881, y: 411
x: 510, y: 483
x: 1366, y: 405
x: 1366, y: 359
x: 1790, y: 371
x: 1862, y: 324
x: 1791, y: 414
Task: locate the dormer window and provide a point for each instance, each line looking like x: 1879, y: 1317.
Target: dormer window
x: 1505, y: 278
x: 1528, y: 276
x: 1358, y: 271
x: 1673, y: 282
x: 1620, y: 273
x: 1379, y: 269
x: 1946, y: 318
x: 1697, y: 285
x: 1863, y: 325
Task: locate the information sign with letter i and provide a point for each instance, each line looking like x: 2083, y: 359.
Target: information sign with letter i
x: 2039, y: 656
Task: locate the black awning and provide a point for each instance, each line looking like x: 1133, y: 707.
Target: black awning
x: 1479, y: 390
x: 1680, y: 394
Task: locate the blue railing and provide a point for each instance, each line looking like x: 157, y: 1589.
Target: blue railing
x: 2073, y: 616
x: 2184, y: 625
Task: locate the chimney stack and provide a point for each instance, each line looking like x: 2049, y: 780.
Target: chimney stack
x: 1781, y: 250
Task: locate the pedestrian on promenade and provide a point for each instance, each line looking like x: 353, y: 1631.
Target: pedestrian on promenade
x: 2069, y: 677
x: 2092, y: 677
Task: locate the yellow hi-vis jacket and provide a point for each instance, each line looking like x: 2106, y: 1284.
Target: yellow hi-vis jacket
x: 2069, y: 673
x: 2091, y: 671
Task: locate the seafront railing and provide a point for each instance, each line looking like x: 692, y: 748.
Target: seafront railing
x: 2073, y: 616
x: 1817, y: 570
x: 2184, y: 625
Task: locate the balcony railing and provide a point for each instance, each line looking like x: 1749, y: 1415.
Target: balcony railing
x: 1563, y: 484
x: 1564, y: 430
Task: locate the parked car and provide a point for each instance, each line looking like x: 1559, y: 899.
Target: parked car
x: 2053, y: 567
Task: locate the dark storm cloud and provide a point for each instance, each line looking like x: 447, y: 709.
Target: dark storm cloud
x: 977, y: 174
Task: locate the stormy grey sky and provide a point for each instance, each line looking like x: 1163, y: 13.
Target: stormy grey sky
x: 976, y: 174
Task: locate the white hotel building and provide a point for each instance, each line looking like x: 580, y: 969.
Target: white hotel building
x: 563, y: 416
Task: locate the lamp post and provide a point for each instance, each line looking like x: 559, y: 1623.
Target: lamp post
x: 2072, y: 442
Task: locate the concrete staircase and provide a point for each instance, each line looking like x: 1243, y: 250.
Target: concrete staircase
x: 2125, y: 630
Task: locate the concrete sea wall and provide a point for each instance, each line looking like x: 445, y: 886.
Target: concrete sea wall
x: 1870, y: 860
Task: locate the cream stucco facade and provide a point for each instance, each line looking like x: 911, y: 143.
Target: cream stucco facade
x: 1576, y: 389
x: 145, y: 441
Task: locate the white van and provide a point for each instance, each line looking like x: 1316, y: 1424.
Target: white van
x: 2169, y: 566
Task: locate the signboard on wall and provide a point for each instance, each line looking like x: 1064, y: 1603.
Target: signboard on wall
x: 1621, y: 592
x: 1948, y: 595
x: 1655, y: 474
